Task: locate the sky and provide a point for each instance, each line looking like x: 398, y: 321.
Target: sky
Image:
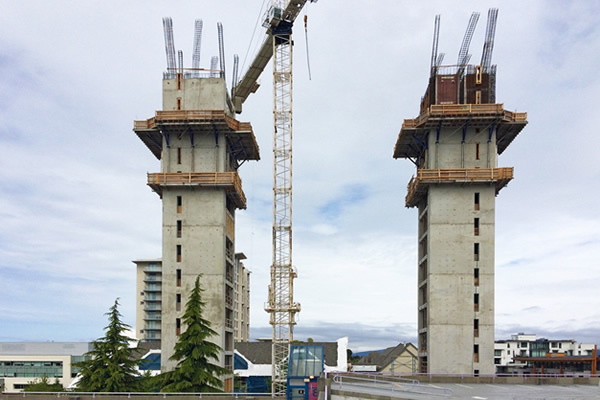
x: 75, y: 209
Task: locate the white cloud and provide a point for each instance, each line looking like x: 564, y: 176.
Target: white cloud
x: 75, y: 209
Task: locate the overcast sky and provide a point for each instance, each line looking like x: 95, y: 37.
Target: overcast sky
x: 75, y: 209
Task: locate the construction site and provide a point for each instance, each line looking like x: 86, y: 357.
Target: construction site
x: 454, y: 144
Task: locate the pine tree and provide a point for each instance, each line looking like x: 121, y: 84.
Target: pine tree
x: 110, y: 366
x: 194, y: 371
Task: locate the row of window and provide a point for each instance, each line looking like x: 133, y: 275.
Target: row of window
x: 31, y: 364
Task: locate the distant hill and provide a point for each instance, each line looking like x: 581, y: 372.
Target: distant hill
x: 364, y: 353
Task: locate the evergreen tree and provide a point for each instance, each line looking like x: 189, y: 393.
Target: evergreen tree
x: 195, y: 372
x: 110, y: 367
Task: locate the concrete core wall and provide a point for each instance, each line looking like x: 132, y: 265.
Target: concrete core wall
x: 456, y: 258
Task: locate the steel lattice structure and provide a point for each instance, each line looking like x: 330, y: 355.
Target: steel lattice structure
x: 281, y: 291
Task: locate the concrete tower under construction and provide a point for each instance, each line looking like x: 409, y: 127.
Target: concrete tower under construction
x: 201, y: 146
x: 454, y: 143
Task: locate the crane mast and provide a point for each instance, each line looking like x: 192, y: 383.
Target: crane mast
x: 281, y: 304
x: 279, y: 21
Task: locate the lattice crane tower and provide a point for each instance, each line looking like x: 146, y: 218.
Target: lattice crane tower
x: 282, y: 307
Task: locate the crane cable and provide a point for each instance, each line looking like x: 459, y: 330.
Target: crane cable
x: 306, y: 38
x: 256, y: 24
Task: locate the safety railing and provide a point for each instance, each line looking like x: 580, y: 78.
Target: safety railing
x: 442, y: 110
x: 385, y: 385
x: 500, y: 176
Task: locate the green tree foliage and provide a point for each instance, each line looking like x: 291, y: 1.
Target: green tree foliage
x: 110, y: 367
x: 351, y: 357
x: 43, y: 385
x: 193, y: 352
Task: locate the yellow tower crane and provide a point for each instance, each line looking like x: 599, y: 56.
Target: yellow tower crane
x: 278, y: 22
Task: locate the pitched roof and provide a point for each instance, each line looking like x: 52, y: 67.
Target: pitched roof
x: 382, y: 358
x: 260, y: 352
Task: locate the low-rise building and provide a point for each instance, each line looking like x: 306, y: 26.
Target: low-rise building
x: 252, y: 362
x: 401, y: 359
x: 522, y: 351
x: 22, y: 363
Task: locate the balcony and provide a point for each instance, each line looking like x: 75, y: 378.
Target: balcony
x: 153, y: 268
x: 230, y: 181
x: 419, y: 185
x: 152, y: 288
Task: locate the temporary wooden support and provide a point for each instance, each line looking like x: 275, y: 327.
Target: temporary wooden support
x: 229, y: 180
x: 455, y: 110
x: 418, y: 185
x: 191, y: 116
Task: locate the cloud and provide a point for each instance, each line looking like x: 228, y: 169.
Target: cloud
x: 75, y: 208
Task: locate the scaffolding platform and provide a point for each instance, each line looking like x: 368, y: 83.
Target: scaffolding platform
x: 413, y: 134
x: 229, y: 180
x: 239, y: 134
x: 419, y: 184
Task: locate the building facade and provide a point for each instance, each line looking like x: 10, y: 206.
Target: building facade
x: 201, y: 146
x: 22, y: 363
x: 148, y: 300
x: 516, y: 354
x: 454, y: 143
x: 149, y: 294
x: 242, y: 300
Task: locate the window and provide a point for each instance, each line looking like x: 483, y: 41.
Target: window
x: 477, y: 154
x: 476, y: 301
x: 476, y: 327
x: 476, y: 352
x: 178, y: 302
x: 179, y: 204
x: 179, y: 154
x: 179, y: 224
x: 179, y: 76
x: 177, y: 326
x: 476, y: 226
x: 476, y: 200
x: 476, y: 252
x: 179, y: 103
x: 178, y: 278
x: 178, y: 253
x: 478, y: 98
x: 478, y: 74
x: 476, y: 372
x: 476, y: 276
x: 524, y: 344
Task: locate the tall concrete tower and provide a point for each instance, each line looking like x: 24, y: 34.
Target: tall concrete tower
x: 454, y: 143
x: 201, y: 146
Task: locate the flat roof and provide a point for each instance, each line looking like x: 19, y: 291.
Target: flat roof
x: 44, y: 348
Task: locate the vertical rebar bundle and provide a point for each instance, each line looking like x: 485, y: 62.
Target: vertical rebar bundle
x: 196, y: 51
x: 213, y: 67
x: 434, y: 49
x: 463, y: 56
x: 221, y: 49
x: 488, y: 45
x: 169, y: 46
x: 236, y: 62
